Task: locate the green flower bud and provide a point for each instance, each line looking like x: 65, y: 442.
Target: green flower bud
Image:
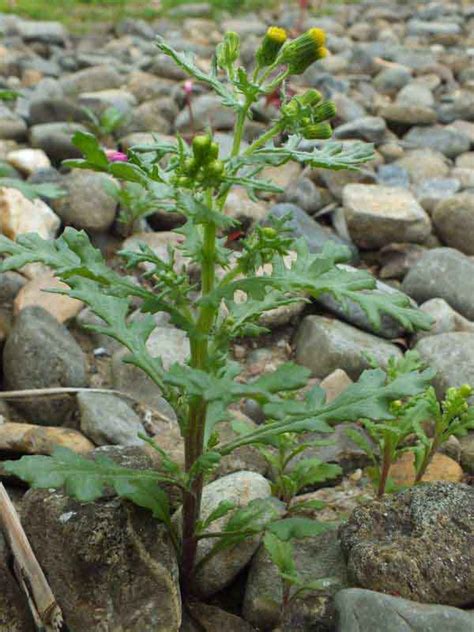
x: 311, y: 97
x: 215, y: 169
x: 269, y: 232
x: 229, y: 50
x: 191, y: 166
x: 213, y: 151
x: 201, y: 147
x: 271, y: 44
x: 183, y: 181
x: 325, y: 111
x: 304, y: 51
x: 465, y: 390
x: 318, y: 130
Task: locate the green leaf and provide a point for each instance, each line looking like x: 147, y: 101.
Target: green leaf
x: 307, y: 505
x: 287, y: 377
x: 89, y: 145
x: 297, y: 527
x: 281, y: 553
x: 111, y: 119
x: 361, y: 441
x: 220, y: 511
x: 308, y: 472
x: 87, y: 480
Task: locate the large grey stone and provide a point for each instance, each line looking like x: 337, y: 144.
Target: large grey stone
x: 41, y: 353
x: 324, y: 344
x: 445, y: 319
x: 433, y: 190
x: 361, y: 610
x: 91, y: 80
x: 315, y: 558
x: 378, y: 215
x: 443, y: 273
x: 452, y: 356
x: 369, y: 128
x: 108, y: 420
x: 422, y: 164
x: 46, y: 32
x: 453, y: 219
x: 418, y: 544
x: 110, y: 564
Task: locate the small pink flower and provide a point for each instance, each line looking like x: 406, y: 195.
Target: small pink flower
x: 188, y: 87
x: 116, y: 156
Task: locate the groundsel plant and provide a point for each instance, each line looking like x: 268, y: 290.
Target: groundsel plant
x: 195, y: 179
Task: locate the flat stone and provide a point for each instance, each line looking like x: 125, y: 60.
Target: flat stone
x: 422, y: 164
x: 369, y: 128
x: 467, y: 452
x: 453, y: 219
x: 361, y: 610
x: 47, y: 32
x: 416, y: 544
x: 55, y: 139
x: 19, y: 215
x: 391, y: 79
x: 464, y: 176
x: 91, y: 80
x: 445, y: 319
x: 408, y: 115
x: 443, y: 273
x: 377, y: 215
x: 324, y: 345
x: 450, y: 355
x: 441, y: 468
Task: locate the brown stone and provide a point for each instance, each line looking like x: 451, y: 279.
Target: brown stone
x: 34, y: 294
x: 441, y: 468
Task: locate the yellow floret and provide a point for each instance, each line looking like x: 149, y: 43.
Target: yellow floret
x: 318, y: 36
x: 277, y: 34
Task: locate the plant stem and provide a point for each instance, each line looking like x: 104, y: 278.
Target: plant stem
x: 427, y: 459
x: 386, y: 463
x: 194, y: 439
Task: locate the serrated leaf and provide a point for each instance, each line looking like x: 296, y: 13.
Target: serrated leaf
x: 33, y: 191
x: 220, y: 511
x: 88, y: 144
x: 297, y: 527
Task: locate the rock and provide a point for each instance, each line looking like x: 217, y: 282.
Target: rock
x: 464, y: 176
x: 377, y: 215
x: 239, y: 206
x: 282, y: 176
x: 14, y: 611
x: 10, y: 284
x: 465, y: 161
x: 19, y: 215
x: 443, y: 273
x: 352, y: 313
x: 463, y: 105
x: 168, y: 343
x: 28, y: 160
x: 302, y: 225
x: 422, y: 164
x: 416, y: 94
x: 52, y: 109
x: 207, y: 112
x: 445, y: 319
x: 336, y: 181
x: 417, y: 544
x: 393, y: 176
x: 149, y: 116
x: 35, y: 294
x: 407, y: 115
x: 93, y: 212
x: 120, y: 571
x: 441, y: 468
x: 159, y: 243
x: 467, y: 452
x: 398, y: 259
x: 91, y: 80
x: 207, y: 618
x: 347, y: 109
x: 164, y: 67
x: 392, y: 79
x: 449, y: 141
x: 145, y: 86
x: 108, y: 419
x: 359, y: 610
x: 335, y: 384
x: 45, y: 32
x: 41, y: 353
x: 422, y: 27
x: 450, y: 355
x: 12, y: 127
x: 315, y: 557
x: 369, y: 128
x: 433, y: 190
x: 240, y: 488
x: 453, y: 219
x: 323, y: 345
x: 304, y: 194
x: 55, y: 139
x: 247, y: 458
x: 100, y: 100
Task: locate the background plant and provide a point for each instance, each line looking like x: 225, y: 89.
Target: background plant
x: 420, y: 424
x: 195, y: 180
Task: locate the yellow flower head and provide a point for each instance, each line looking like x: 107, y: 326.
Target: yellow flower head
x: 304, y: 50
x: 274, y: 39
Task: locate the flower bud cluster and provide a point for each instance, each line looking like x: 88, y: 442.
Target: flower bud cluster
x: 204, y: 166
x: 309, y: 115
x: 303, y: 51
